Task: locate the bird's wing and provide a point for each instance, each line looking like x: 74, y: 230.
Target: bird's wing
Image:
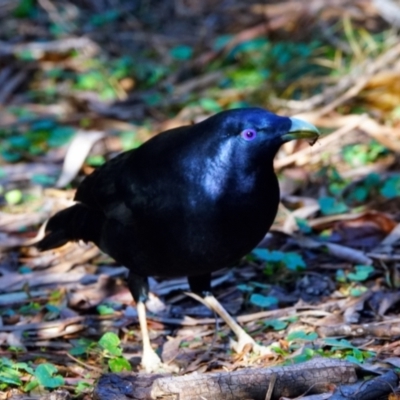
x: 104, y: 190
x: 128, y: 182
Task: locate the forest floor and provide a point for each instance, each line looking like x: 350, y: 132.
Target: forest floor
x: 81, y: 81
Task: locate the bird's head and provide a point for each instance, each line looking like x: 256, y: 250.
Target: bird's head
x: 254, y: 133
x: 258, y: 125
x: 234, y: 150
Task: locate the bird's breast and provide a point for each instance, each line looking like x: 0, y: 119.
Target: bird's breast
x: 206, y: 228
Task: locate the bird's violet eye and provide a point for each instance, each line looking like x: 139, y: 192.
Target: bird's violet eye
x: 248, y: 134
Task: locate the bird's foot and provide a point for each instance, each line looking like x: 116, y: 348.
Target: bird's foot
x: 262, y: 350
x: 245, y: 340
x: 151, y: 363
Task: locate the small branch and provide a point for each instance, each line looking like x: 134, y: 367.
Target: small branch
x: 86, y: 365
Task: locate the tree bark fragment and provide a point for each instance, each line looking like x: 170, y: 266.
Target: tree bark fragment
x: 316, y: 376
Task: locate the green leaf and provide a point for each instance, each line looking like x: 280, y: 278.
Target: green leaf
x: 330, y: 205
x: 24, y: 8
x: 44, y: 180
x: 391, y: 187
x: 263, y: 301
x: 83, y: 387
x: 81, y: 346
x: 340, y: 276
x: 30, y: 309
x: 119, y: 364
x: 338, y: 343
x: 209, y: 105
x: 306, y: 355
x: 26, y: 55
x: 362, y: 154
x: 269, y: 256
x: 294, y: 261
x: 52, y: 308
x: 6, y: 362
x: 110, y: 342
x: 181, y: 52
x: 129, y: 140
x: 10, y: 376
x: 60, y: 136
x: 276, y: 324
x: 360, y: 194
x: 293, y: 318
x: 221, y: 41
x: 13, y: 197
x: 19, y: 142
x: 372, y: 180
x: 238, y: 104
x: 46, y: 376
x: 10, y: 156
x: 153, y: 99
x: 248, y: 78
x: 43, y: 124
x: 96, y: 160
x: 353, y: 359
x: 32, y: 384
x: 279, y: 350
x: 252, y: 45
x: 24, y: 269
x: 105, y: 18
x: 260, y: 285
x: 245, y: 288
x: 301, y: 335
x: 24, y: 367
x: 361, y: 273
x: 103, y: 309
x: 357, y: 291
x: 108, y: 93
x: 78, y: 351
x: 91, y: 80
x: 303, y: 225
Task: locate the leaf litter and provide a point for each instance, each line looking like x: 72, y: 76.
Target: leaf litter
x: 327, y: 271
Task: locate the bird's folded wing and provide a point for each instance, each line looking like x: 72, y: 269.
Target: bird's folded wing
x: 105, y: 190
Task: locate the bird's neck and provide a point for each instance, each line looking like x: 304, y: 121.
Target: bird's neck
x: 223, y: 180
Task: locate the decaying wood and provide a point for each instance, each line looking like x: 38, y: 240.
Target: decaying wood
x: 315, y: 376
x: 373, y: 389
x: 386, y: 329
x: 56, y: 395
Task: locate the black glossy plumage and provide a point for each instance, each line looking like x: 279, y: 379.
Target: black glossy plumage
x: 187, y: 202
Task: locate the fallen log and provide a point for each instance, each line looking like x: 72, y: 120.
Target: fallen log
x: 319, y: 375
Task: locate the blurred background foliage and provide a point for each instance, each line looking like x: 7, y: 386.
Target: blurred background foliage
x: 82, y: 80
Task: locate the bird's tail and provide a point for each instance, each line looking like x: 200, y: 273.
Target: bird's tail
x: 74, y: 223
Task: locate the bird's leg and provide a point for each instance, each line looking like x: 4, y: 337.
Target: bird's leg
x: 208, y: 299
x: 243, y: 338
x: 139, y: 288
x: 151, y: 362
x: 201, y: 284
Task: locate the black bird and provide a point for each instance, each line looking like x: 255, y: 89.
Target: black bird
x: 187, y: 202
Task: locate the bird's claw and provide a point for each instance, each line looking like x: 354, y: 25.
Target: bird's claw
x: 245, y: 340
x: 262, y: 350
x: 152, y: 363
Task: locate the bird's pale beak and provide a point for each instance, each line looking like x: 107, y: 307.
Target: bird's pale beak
x: 301, y: 130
